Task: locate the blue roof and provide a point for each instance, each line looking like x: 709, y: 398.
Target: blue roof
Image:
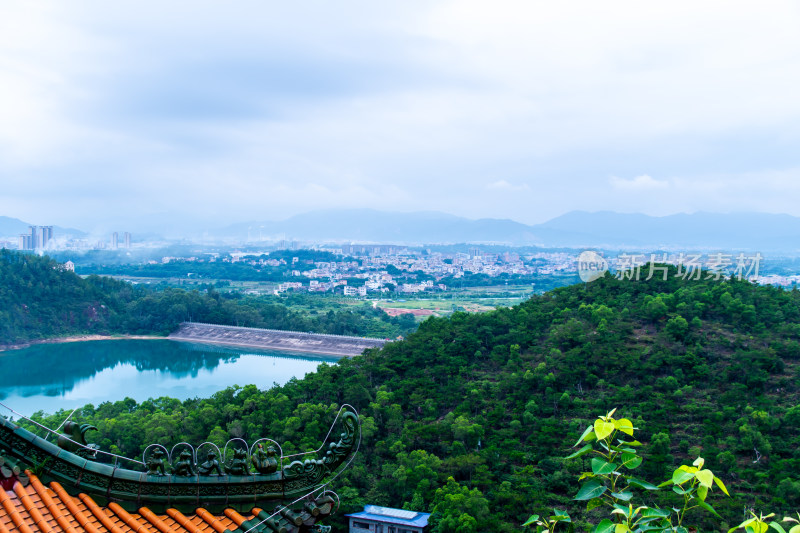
x: 393, y: 516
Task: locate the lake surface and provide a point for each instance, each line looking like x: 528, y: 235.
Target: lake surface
x: 50, y: 377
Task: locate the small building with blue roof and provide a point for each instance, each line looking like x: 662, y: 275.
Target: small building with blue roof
x: 376, y: 519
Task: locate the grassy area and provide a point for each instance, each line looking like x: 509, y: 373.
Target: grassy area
x: 470, y: 299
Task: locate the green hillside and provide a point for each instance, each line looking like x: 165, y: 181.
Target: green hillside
x: 39, y: 299
x: 471, y: 416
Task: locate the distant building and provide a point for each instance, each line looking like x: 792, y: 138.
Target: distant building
x: 375, y: 519
x: 355, y: 291
x: 46, y: 233
x: 69, y: 266
x: 115, y: 240
x: 36, y: 238
x: 127, y: 237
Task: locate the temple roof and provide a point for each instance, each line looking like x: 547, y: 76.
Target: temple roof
x: 37, y: 507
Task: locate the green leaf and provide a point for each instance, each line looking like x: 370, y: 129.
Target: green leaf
x: 585, y: 434
x: 680, y: 490
x: 561, y: 516
x: 624, y: 496
x: 705, y: 477
x: 721, y: 485
x: 602, y: 468
x: 708, y: 508
x: 590, y: 490
x: 680, y: 477
x: 625, y: 426
x: 699, y: 462
x: 631, y: 460
x: 605, y: 526
x: 531, y: 520
x: 656, y: 512
x: 743, y: 524
x: 777, y: 527
x: 621, y: 528
x: 634, y: 482
x: 795, y: 529
x: 583, y: 451
x: 702, y: 492
x: 594, y: 503
x: 603, y: 429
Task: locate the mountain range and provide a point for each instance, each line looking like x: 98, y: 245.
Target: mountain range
x: 603, y: 229
x: 13, y: 227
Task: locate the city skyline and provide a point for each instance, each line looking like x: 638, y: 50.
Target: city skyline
x: 526, y: 111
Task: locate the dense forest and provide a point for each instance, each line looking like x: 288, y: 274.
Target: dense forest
x: 39, y: 299
x: 471, y: 417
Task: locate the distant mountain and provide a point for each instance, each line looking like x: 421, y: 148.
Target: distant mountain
x: 12, y: 227
x: 368, y: 225
x: 604, y: 229
x: 750, y: 231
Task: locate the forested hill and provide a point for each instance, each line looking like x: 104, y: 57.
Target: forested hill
x: 471, y: 416
x: 40, y: 299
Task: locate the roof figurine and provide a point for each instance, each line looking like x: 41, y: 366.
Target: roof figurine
x: 297, y: 492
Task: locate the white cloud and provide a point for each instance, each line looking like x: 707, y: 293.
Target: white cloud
x: 639, y: 183
x: 371, y: 104
x: 503, y: 185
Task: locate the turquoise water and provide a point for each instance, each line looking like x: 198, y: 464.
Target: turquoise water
x: 50, y: 377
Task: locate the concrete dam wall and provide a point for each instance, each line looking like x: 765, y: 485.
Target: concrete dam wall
x: 273, y: 339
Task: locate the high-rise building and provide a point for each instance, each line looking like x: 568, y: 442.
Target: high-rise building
x: 127, y: 237
x: 33, y: 231
x: 114, y: 240
x: 47, y: 235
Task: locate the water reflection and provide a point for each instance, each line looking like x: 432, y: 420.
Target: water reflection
x: 63, y: 376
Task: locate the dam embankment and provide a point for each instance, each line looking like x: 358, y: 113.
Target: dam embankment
x: 273, y: 339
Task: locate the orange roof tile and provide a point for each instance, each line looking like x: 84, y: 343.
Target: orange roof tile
x: 37, y: 508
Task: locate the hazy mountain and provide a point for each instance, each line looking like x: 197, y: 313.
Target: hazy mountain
x: 12, y: 227
x: 703, y: 230
x: 368, y: 225
x: 742, y: 231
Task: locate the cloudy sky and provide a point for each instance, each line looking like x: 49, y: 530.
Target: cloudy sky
x: 218, y: 112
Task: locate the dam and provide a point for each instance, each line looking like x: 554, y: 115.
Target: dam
x: 273, y: 339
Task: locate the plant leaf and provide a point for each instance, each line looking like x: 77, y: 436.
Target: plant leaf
x: 721, y: 485
x: 777, y: 527
x: 708, y: 508
x: 605, y: 526
x: 681, y: 476
x: 631, y: 460
x: 641, y: 484
x: 625, y: 426
x: 583, y: 451
x: 584, y: 435
x: 533, y: 518
x: 603, y: 429
x: 594, y: 503
x: 602, y: 468
x: 590, y: 490
x: 624, y: 496
x: 702, y: 492
x: 705, y: 477
x: 699, y: 462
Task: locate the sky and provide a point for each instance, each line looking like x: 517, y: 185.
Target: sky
x: 124, y: 113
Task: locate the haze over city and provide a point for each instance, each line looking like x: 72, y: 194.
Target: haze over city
x: 190, y: 113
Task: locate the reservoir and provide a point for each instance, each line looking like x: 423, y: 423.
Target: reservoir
x: 49, y: 377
